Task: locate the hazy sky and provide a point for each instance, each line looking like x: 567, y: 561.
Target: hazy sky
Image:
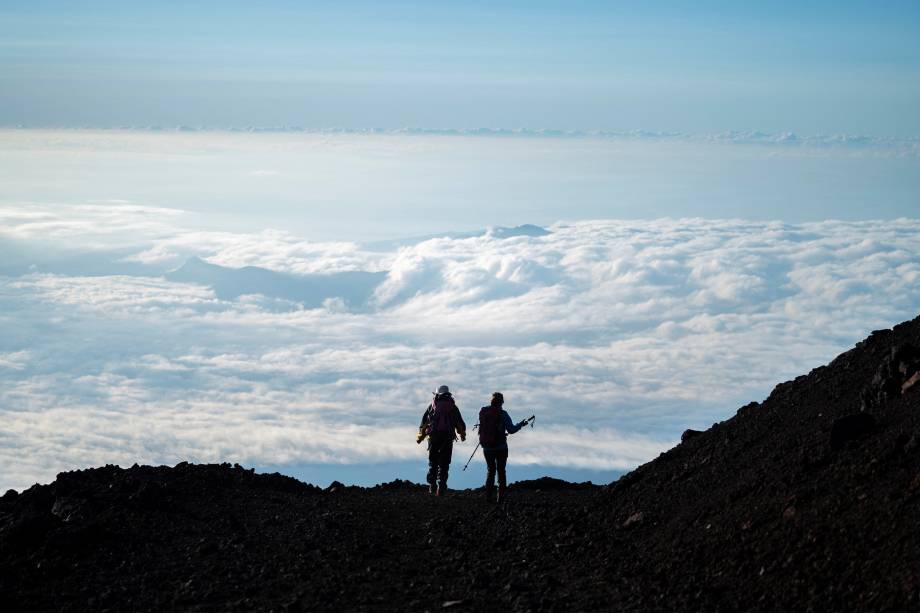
x: 815, y: 67
x: 358, y: 187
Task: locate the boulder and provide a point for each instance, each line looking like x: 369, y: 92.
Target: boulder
x: 897, y: 368
x: 910, y: 382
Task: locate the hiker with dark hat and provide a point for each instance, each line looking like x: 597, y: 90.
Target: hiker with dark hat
x: 494, y: 427
x: 441, y: 423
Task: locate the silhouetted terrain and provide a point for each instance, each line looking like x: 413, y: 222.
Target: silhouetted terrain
x: 355, y: 287
x: 806, y: 501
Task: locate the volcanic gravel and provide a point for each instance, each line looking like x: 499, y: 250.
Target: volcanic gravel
x: 808, y: 501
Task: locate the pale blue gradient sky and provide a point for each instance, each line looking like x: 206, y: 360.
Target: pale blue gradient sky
x: 385, y: 186
x: 817, y: 67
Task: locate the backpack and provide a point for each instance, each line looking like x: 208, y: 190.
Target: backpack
x: 442, y: 420
x: 491, y: 430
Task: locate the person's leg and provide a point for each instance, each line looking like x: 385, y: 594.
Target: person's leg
x: 490, y: 474
x: 501, y: 461
x: 434, y: 452
x: 447, y: 449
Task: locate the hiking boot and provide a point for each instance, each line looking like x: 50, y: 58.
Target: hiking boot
x: 502, y: 496
x: 442, y: 490
x: 432, y: 489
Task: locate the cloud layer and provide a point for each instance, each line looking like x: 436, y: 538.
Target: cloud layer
x: 618, y: 334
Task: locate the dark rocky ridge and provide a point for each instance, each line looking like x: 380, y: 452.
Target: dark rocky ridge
x: 807, y: 501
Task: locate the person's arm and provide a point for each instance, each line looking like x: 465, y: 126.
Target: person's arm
x: 423, y: 425
x: 460, y: 424
x: 510, y: 426
x: 426, y: 416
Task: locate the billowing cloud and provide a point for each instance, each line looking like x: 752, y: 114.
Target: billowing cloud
x: 618, y: 334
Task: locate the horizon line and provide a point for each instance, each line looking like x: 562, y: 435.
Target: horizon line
x: 788, y: 137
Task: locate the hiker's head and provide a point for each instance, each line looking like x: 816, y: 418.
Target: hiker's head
x: 497, y: 399
x: 443, y: 391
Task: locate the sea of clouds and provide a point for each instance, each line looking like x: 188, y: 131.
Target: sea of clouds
x: 617, y: 334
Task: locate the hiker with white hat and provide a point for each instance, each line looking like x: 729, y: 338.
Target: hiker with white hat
x: 441, y: 424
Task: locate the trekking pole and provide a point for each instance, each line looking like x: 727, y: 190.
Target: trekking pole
x: 476, y: 427
x: 471, y: 456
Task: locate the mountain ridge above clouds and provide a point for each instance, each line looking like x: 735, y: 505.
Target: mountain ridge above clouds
x: 805, y: 501
x: 310, y: 290
x: 354, y: 288
x: 20, y: 258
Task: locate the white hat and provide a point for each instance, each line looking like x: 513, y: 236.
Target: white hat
x: 443, y: 390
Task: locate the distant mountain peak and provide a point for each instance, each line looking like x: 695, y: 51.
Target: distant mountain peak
x: 195, y: 263
x: 526, y: 229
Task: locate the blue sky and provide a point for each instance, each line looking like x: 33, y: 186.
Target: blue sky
x: 817, y: 67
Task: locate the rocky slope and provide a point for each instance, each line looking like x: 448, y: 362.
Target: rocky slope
x: 806, y: 501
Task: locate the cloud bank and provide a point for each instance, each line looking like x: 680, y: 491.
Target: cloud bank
x: 617, y: 334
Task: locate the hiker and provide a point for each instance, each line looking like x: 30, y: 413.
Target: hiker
x: 441, y: 423
x: 494, y: 427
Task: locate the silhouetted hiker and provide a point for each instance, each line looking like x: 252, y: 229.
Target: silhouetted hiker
x: 441, y: 423
x: 494, y: 427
